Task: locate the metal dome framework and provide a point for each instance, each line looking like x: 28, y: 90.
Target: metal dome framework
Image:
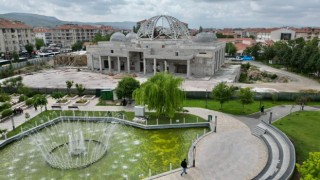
x: 175, y: 30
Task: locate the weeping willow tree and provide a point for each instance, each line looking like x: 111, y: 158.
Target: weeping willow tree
x: 161, y: 93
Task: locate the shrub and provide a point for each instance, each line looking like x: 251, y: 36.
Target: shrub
x: 243, y: 77
x: 62, y: 101
x: 29, y: 102
x: 4, y: 97
x: 245, y: 67
x: 5, y: 106
x: 6, y: 113
x: 23, y: 98
x: 273, y: 76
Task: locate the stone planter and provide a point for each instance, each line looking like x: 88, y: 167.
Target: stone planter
x: 89, y: 97
x: 61, y: 104
x: 81, y: 104
x: 71, y: 98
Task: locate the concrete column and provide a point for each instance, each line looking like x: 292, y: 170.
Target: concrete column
x: 100, y: 63
x: 188, y: 68
x: 109, y: 63
x: 128, y: 63
x: 144, y: 66
x: 118, y: 59
x: 213, y: 62
x: 92, y: 63
x: 154, y: 66
x: 165, y: 66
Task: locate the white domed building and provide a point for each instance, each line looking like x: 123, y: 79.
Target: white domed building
x: 161, y: 44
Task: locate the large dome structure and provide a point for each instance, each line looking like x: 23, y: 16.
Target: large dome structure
x: 131, y: 35
x: 205, y: 37
x: 163, y: 26
x: 118, y: 37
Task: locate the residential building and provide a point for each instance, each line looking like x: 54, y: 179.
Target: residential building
x: 45, y: 34
x: 14, y: 35
x: 68, y: 34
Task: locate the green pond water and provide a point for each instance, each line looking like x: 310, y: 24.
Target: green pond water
x: 131, y: 153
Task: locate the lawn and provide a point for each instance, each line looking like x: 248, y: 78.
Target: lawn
x: 233, y: 106
x: 47, y: 115
x: 303, y: 130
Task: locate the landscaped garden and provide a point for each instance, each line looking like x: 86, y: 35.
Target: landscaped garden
x: 303, y: 130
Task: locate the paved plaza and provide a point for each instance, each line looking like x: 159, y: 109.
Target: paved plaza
x: 56, y: 78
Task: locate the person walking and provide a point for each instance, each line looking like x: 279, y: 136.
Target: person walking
x: 262, y: 110
x: 184, y: 166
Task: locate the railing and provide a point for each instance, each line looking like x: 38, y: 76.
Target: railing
x: 25, y: 63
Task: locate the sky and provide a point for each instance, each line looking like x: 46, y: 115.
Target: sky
x: 205, y: 13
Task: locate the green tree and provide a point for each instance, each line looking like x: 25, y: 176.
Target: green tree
x: 29, y: 48
x: 57, y: 95
x: 15, y: 56
x: 40, y: 100
x: 162, y: 93
x: 69, y: 85
x: 80, y: 88
x: 77, y: 46
x: 245, y: 96
x: 98, y: 37
x: 134, y: 29
x: 126, y: 87
x: 39, y: 43
x: 222, y: 93
x: 231, y: 49
x: 310, y: 169
x: 200, y: 29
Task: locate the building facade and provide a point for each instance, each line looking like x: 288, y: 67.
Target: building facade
x: 68, y: 34
x: 14, y: 35
x: 159, y: 49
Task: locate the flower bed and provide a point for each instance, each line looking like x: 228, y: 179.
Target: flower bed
x: 81, y: 102
x: 62, y: 102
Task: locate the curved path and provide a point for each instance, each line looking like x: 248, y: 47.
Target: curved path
x: 231, y: 153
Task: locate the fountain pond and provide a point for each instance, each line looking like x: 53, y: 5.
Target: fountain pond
x: 95, y: 150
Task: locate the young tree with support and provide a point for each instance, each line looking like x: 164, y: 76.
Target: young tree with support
x: 222, y: 93
x: 69, y: 85
x: 245, y: 96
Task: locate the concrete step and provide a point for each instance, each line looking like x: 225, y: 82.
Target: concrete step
x: 257, y: 131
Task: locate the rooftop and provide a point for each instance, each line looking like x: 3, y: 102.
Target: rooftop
x: 6, y: 23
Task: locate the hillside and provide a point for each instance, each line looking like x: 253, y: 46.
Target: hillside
x: 37, y: 20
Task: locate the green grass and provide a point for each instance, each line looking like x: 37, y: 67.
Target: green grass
x: 46, y: 115
x: 233, y: 106
x: 303, y: 130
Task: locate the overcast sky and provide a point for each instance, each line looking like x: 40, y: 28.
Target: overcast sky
x: 208, y: 13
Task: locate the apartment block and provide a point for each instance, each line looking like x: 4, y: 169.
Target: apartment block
x: 14, y: 35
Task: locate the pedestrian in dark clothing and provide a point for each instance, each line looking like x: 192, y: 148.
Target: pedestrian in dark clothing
x: 184, y: 166
x: 262, y: 109
x: 302, y: 106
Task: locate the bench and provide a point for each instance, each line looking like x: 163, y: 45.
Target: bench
x: 73, y: 107
x: 56, y: 107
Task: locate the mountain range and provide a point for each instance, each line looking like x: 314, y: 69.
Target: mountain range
x: 37, y: 20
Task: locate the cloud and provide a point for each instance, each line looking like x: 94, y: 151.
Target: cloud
x: 208, y: 13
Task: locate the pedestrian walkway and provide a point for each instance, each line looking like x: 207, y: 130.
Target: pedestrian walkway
x: 278, y: 112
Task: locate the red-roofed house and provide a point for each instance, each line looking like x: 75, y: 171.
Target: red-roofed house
x: 14, y: 35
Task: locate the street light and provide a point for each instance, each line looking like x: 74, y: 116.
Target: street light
x: 206, y: 99
x: 12, y: 121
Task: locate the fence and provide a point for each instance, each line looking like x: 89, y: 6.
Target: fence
x: 26, y: 63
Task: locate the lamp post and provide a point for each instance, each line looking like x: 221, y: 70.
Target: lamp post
x: 206, y: 98
x: 12, y: 121
x: 194, y: 156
